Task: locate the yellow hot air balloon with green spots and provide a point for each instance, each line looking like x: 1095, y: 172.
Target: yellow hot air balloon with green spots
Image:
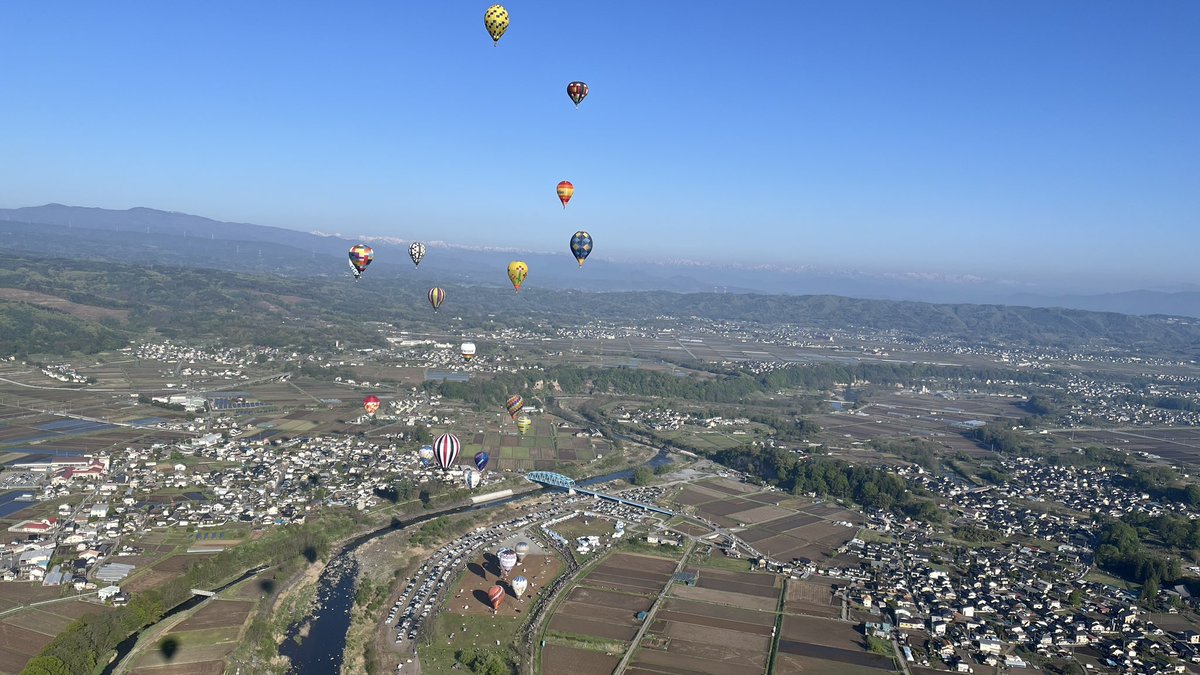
x: 495, y: 19
x: 517, y: 271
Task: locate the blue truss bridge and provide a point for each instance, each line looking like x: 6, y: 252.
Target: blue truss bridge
x: 557, y: 480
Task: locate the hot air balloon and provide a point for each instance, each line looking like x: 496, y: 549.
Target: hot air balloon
x: 468, y: 351
x: 513, y: 405
x: 495, y: 596
x: 445, y: 449
x: 581, y: 246
x: 481, y: 460
x: 522, y: 550
x: 517, y: 271
x: 436, y: 297
x: 371, y: 404
x: 473, y: 479
x: 524, y: 423
x: 577, y: 91
x: 519, y: 585
x: 425, y: 453
x: 416, y: 251
x: 508, y: 560
x: 565, y: 190
x: 361, y: 255
x: 495, y: 19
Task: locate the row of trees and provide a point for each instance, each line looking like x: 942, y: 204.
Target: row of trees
x: 1120, y: 551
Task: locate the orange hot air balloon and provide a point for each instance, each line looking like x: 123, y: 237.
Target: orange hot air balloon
x: 496, y: 596
x: 371, y: 404
x: 565, y: 190
x: 517, y: 271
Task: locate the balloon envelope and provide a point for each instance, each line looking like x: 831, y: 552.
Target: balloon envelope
x: 426, y: 452
x: 495, y: 19
x: 519, y: 585
x: 445, y: 450
x: 522, y: 550
x: 468, y: 351
x: 508, y: 559
x: 581, y: 246
x: 514, y: 404
x: 416, y: 251
x: 496, y: 596
x: 473, y: 479
x: 517, y: 271
x: 577, y: 91
x: 524, y: 424
x: 436, y: 297
x: 361, y: 255
x: 481, y: 460
x: 565, y: 190
x: 371, y: 404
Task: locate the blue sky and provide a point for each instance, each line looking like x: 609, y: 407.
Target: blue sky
x: 1057, y: 142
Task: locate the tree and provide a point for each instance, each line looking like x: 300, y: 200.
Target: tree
x: 1075, y: 598
x: 642, y: 476
x: 1149, y: 591
x: 46, y: 665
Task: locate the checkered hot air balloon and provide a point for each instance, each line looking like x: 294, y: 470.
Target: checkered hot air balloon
x: 445, y: 450
x: 581, y: 246
x: 416, y: 251
x: 361, y: 255
x: 577, y: 91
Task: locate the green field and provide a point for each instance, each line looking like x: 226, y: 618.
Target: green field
x: 439, y: 654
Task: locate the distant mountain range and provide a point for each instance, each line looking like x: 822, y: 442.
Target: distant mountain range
x: 166, y: 238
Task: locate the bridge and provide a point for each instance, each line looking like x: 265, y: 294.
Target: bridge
x: 557, y: 480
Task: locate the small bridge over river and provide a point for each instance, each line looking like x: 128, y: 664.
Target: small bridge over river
x: 557, y: 480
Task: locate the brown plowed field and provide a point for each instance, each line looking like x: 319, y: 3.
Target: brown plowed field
x: 657, y: 661
x: 712, y: 622
x: 794, y: 664
x: 748, y: 616
x: 760, y: 514
x: 201, y: 668
x: 612, y: 615
x: 730, y: 487
x: 17, y: 646
x: 558, y: 659
x: 821, y: 632
x: 722, y: 638
x: 579, y: 626
x: 723, y: 597
x: 595, y: 597
x: 218, y: 614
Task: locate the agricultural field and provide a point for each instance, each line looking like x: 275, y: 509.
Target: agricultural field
x: 810, y: 644
x: 813, y: 596
x: 546, y: 447
x: 779, y: 525
x: 599, y: 615
x: 1177, y: 445
x: 25, y: 632
x: 198, y: 644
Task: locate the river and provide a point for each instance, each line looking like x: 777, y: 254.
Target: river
x: 320, y: 651
x: 127, y: 644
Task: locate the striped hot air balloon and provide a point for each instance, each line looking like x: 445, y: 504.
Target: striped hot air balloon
x: 436, y: 297
x: 514, y: 405
x: 524, y: 424
x: 565, y: 190
x: 495, y: 596
x: 445, y: 450
x: 522, y: 550
x: 577, y: 91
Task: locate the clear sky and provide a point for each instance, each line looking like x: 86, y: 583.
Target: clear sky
x: 1020, y: 139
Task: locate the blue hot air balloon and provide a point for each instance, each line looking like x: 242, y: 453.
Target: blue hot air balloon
x: 481, y: 460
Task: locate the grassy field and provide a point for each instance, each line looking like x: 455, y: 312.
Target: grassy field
x: 439, y: 654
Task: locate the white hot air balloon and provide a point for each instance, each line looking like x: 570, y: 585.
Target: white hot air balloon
x: 519, y: 585
x: 426, y: 453
x: 508, y: 560
x: 473, y: 478
x: 468, y: 351
x: 522, y: 551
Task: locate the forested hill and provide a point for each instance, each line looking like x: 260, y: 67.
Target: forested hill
x: 72, y: 305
